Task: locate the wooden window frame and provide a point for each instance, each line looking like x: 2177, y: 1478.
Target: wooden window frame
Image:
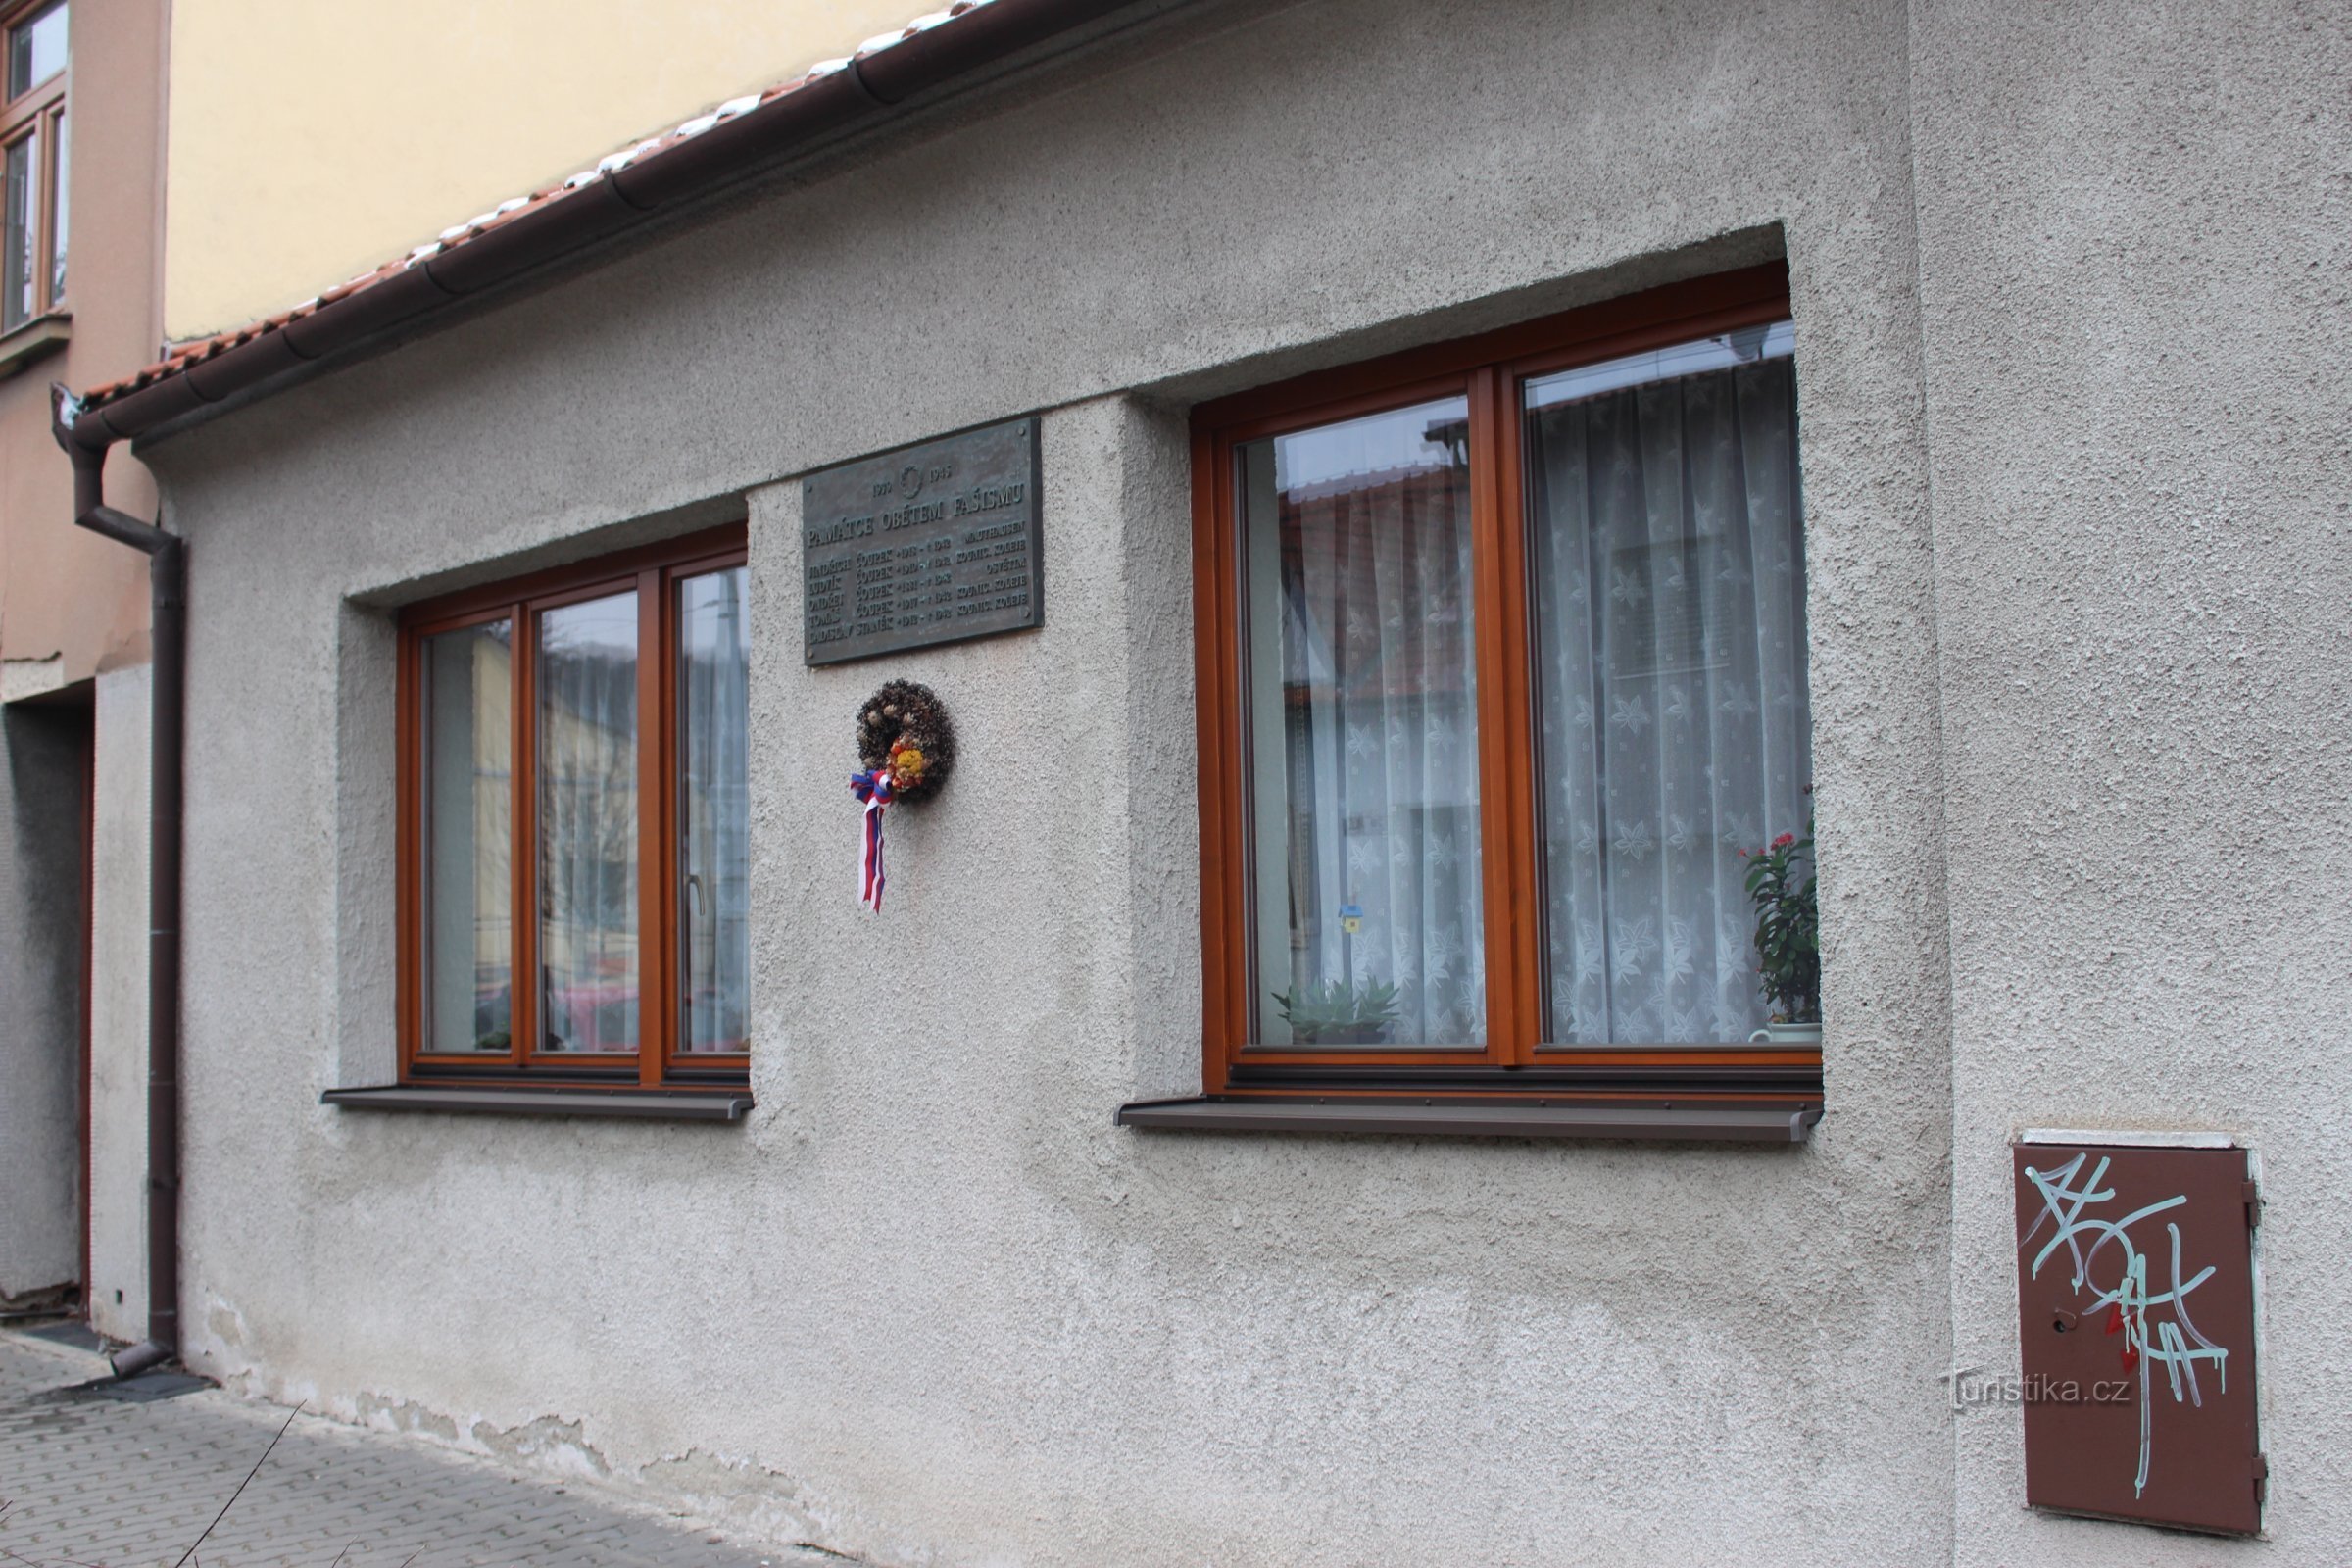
x: 39, y: 107
x: 652, y: 572
x: 1489, y: 370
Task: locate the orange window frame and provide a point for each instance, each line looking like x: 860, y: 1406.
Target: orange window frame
x: 654, y: 573
x: 1489, y: 370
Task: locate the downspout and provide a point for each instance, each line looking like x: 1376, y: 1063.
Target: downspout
x: 167, y: 587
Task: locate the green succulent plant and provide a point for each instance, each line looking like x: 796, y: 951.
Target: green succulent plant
x: 1338, y: 1011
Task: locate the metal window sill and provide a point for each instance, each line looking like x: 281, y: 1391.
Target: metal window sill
x: 636, y: 1104
x: 1698, y: 1121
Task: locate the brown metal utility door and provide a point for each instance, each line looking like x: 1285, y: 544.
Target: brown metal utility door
x: 2135, y: 1317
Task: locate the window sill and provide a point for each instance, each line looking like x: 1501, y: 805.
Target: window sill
x: 1695, y: 1121
x: 42, y: 335
x: 635, y: 1105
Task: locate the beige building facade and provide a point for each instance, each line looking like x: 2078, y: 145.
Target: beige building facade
x: 372, y: 138
x: 82, y: 184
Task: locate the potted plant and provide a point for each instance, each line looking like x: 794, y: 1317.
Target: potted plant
x: 1339, y: 1012
x: 1788, y: 938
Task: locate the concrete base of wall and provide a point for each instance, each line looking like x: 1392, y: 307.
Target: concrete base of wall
x: 118, y: 1294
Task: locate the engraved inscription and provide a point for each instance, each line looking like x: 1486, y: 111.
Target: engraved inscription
x: 925, y: 545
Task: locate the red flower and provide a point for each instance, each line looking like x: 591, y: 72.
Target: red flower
x: 1784, y: 841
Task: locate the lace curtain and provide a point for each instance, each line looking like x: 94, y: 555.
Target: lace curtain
x: 1670, y: 642
x: 1366, y: 533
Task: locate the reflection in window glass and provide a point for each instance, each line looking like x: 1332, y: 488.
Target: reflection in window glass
x: 587, y: 804
x: 59, y: 210
x: 715, y: 811
x: 20, y: 231
x: 1369, y: 926
x: 37, y: 49
x: 1670, y: 646
x: 468, y: 909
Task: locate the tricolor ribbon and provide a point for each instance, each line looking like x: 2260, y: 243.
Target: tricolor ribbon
x: 874, y: 790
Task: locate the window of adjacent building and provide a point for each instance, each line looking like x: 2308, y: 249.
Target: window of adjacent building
x: 33, y: 161
x: 576, y: 823
x: 1503, y: 667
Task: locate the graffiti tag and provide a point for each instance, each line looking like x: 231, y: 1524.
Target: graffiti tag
x: 2174, y: 1344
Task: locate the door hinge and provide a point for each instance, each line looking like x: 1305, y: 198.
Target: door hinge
x: 2253, y: 1205
x: 2262, y: 1480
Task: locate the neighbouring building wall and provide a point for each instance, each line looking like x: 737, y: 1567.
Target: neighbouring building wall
x: 71, y: 603
x: 42, y: 791
x: 930, y: 1304
x: 73, y: 612
x: 2136, y: 235
x: 310, y: 142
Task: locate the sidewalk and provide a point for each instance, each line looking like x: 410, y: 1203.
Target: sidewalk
x: 100, y: 1483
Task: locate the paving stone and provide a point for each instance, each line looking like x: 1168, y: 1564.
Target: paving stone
x: 111, y: 1484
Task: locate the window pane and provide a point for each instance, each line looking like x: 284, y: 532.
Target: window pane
x: 587, y: 770
x: 59, y: 212
x: 37, y: 49
x: 1369, y: 928
x: 21, y: 232
x: 469, y: 905
x: 715, y: 811
x: 1670, y: 645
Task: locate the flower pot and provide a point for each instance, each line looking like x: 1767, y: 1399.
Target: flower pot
x: 1790, y: 1035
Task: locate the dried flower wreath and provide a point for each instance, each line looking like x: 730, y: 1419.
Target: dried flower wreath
x: 906, y: 747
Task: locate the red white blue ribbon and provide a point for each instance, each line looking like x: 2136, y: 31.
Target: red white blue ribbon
x: 874, y: 790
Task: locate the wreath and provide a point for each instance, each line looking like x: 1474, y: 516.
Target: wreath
x: 903, y: 731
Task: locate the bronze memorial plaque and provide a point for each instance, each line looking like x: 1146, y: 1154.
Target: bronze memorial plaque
x: 928, y: 543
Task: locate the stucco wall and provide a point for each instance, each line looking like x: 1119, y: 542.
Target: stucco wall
x: 2135, y: 228
x: 929, y: 1304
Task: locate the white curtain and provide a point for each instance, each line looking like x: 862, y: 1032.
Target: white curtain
x: 587, y: 771
x: 1380, y: 725
x: 1671, y: 658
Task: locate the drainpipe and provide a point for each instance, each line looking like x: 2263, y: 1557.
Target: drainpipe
x: 168, y: 584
